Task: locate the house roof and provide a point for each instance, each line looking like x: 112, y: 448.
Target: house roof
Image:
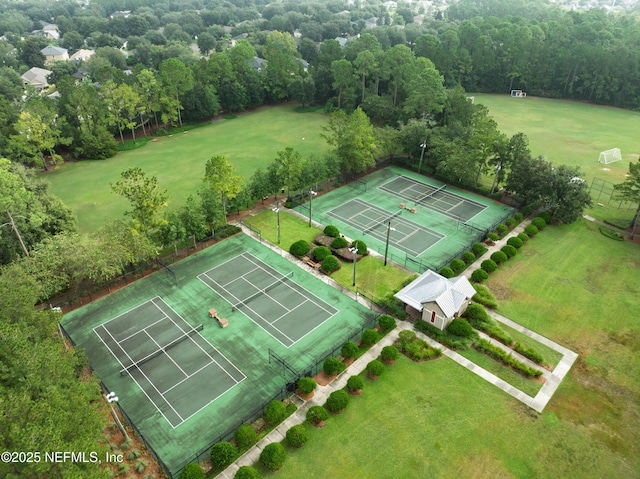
x: 257, y: 63
x: 448, y: 294
x: 51, y: 50
x: 81, y: 54
x: 36, y: 76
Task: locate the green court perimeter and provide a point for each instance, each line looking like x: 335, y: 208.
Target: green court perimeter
x: 184, y: 387
x: 430, y: 223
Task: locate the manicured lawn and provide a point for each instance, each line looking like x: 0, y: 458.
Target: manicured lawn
x: 438, y: 420
x: 292, y: 228
x: 250, y: 141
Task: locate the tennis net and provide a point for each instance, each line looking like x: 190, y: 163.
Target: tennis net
x: 162, y: 350
x: 384, y: 221
x: 429, y: 194
x: 262, y: 291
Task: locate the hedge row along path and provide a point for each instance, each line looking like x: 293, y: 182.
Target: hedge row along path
x: 537, y: 403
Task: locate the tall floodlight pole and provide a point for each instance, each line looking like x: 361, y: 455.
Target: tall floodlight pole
x: 276, y: 210
x: 111, y: 398
x: 423, y: 146
x: 354, y: 250
x: 386, y: 248
x: 311, y: 195
x: 15, y: 229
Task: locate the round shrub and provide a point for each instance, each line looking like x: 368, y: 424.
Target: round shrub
x: 460, y: 327
x: 349, y: 350
x: 499, y: 257
x: 375, y: 368
x: 316, y: 415
x: 489, y: 265
x: 222, y: 454
x: 468, y: 257
x: 245, y: 436
x: 299, y: 248
x: 389, y: 353
x: 493, y: 237
x: 539, y: 222
x: 479, y: 275
x: 510, y: 222
x: 546, y: 216
x: 386, y: 322
x: 247, y: 472
x: 330, y: 264
x: 458, y: 266
x: 476, y: 312
x: 531, y: 230
x: 509, y: 250
x: 333, y: 366
x: 523, y: 237
x: 478, y: 249
x: 337, y: 401
x: 339, y: 242
x: 362, y: 247
x: 192, y: 471
x: 515, y: 241
x: 526, y: 210
x: 517, y: 217
x: 370, y: 337
x: 306, y: 385
x: 405, y: 337
x: 320, y: 253
x: 273, y: 456
x: 297, y: 436
x: 446, y: 272
x: 332, y: 231
x: 275, y: 412
x: 355, y: 383
x: 502, y: 229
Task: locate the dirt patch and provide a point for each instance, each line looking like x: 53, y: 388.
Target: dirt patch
x: 322, y: 379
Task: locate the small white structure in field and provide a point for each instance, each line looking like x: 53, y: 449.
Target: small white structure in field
x: 518, y: 94
x: 610, y: 156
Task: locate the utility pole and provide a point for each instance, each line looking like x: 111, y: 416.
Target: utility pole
x: 15, y: 228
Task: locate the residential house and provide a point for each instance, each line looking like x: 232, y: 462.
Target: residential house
x: 50, y: 30
x: 258, y: 63
x: 54, y: 54
x: 436, y: 299
x: 81, y: 55
x: 37, y: 78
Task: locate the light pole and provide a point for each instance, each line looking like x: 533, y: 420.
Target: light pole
x: 311, y: 195
x: 276, y: 210
x: 354, y: 250
x: 423, y: 146
x: 386, y: 248
x: 111, y: 398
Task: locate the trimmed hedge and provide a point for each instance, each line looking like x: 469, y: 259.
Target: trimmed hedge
x: 478, y: 249
x: 362, y: 247
x: 297, y: 435
x: 517, y: 217
x: 479, y: 275
x: 493, y: 236
x: 273, y: 456
x: 337, y: 401
x: 355, y: 383
x: 531, y: 230
x: 333, y: 366
x: 515, y: 241
x: 245, y: 436
x: 389, y: 353
x: 247, y: 472
x: 501, y: 355
x: 499, y: 257
x: 502, y: 229
x: 370, y: 337
x: 330, y: 264
x: 511, y: 222
x: 331, y: 230
x: 444, y: 337
x: 489, y: 265
x: 611, y: 233
x: 299, y: 248
x: 539, y: 222
x: 386, y: 322
x: 468, y: 257
x: 509, y: 250
x: 317, y: 414
x: 306, y: 385
x: 479, y: 319
x: 275, y: 412
x: 484, y: 296
x: 462, y: 328
x: 530, y: 353
x: 446, y: 272
x: 339, y: 242
x: 192, y: 471
x: 349, y: 350
x: 546, y: 216
x: 524, y: 237
x: 222, y: 454
x: 458, y: 266
x: 375, y: 368
x: 320, y: 253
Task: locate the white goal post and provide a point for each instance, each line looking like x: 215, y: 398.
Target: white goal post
x: 518, y: 94
x: 610, y: 156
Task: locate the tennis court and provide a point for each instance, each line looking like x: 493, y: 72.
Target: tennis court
x: 178, y: 370
x: 437, y: 199
x: 275, y: 303
x: 404, y: 234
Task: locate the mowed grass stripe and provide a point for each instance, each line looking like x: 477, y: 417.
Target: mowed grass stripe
x: 250, y: 142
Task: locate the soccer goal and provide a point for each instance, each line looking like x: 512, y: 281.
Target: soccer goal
x: 610, y: 156
x: 518, y: 94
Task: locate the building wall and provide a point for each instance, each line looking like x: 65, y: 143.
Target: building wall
x: 439, y: 320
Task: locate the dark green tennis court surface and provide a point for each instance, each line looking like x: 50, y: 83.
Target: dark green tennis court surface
x: 184, y: 388
x: 436, y: 198
x: 178, y: 370
x: 273, y: 301
x: 403, y: 234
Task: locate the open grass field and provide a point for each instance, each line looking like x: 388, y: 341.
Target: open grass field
x: 445, y: 422
x: 573, y: 133
x: 249, y: 141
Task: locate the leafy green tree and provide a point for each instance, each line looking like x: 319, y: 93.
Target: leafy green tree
x: 353, y: 138
x: 281, y: 53
x: 176, y: 79
x: 146, y: 199
x: 149, y: 91
x: 206, y: 43
x: 220, y: 178
x: 425, y: 91
x: 343, y: 77
x: 399, y: 62
x: 289, y: 170
x: 365, y: 63
x: 302, y: 89
x: 629, y: 190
